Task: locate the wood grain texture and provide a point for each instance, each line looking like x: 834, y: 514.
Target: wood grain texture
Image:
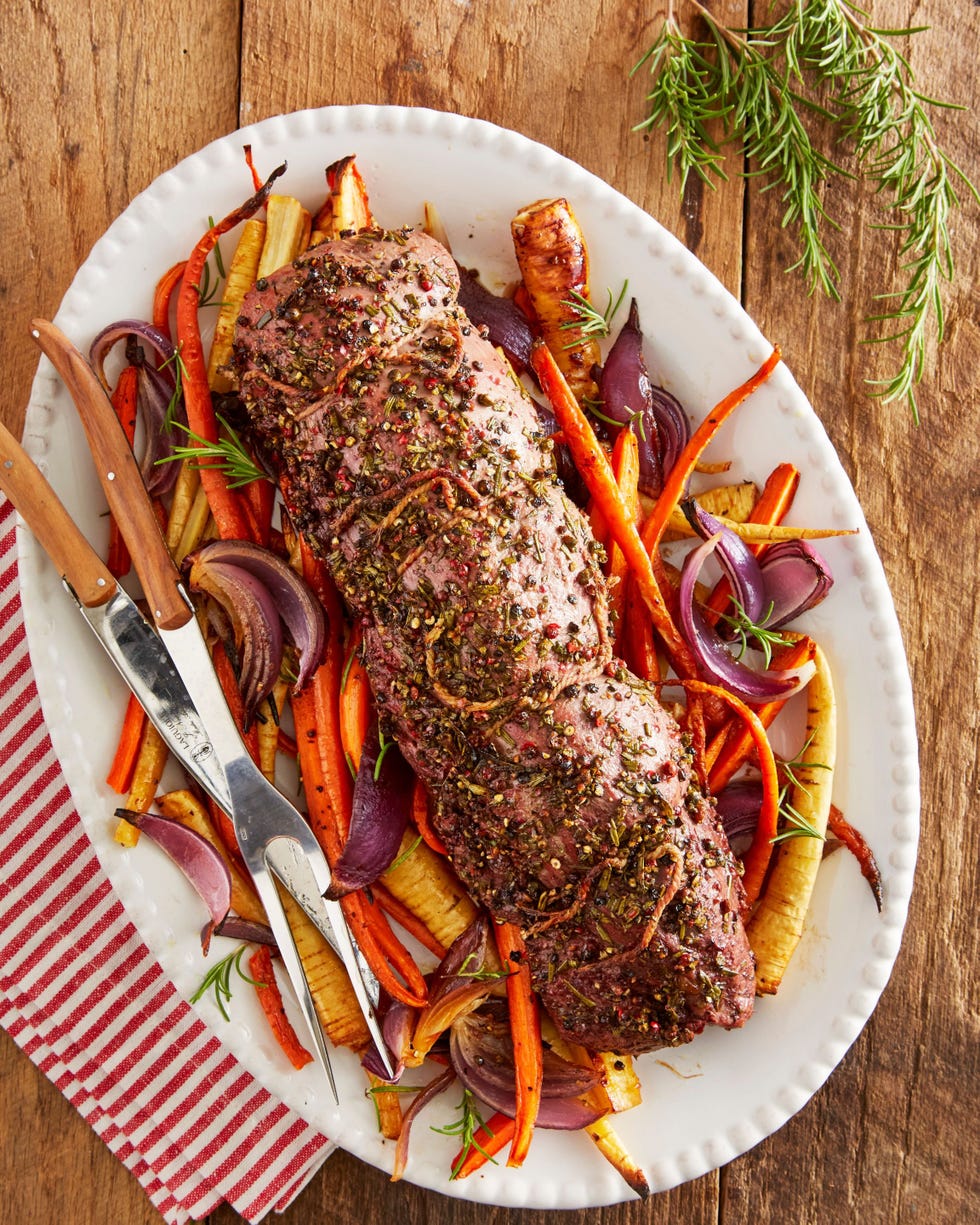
x: 94, y: 104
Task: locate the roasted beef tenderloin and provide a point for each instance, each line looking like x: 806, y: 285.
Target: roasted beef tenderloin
x: 417, y: 467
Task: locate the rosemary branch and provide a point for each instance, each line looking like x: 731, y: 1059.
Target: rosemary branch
x: 763, y: 87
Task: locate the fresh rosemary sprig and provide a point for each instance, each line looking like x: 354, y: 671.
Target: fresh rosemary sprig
x: 466, y: 1127
x: 799, y: 762
x: 408, y: 852
x: 180, y: 370
x: 589, y: 321
x: 797, y: 826
x: 634, y: 420
x: 228, y: 454
x: 218, y: 979
x: 745, y: 629
x: 763, y: 88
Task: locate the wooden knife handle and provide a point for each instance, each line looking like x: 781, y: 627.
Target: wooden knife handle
x: 120, y: 477
x: 74, y: 557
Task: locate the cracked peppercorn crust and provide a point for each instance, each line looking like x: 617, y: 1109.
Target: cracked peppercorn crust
x: 416, y: 466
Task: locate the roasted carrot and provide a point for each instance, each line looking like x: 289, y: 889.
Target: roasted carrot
x: 120, y: 776
x: 756, y: 859
x: 397, y: 910
x: 626, y: 470
x: 525, y: 1028
x: 226, y: 504
x: 328, y: 806
x: 681, y: 473
x: 855, y: 842
x: 324, y: 690
x: 250, y: 163
x: 355, y: 702
x: 162, y: 295
x: 487, y: 1142
x: 260, y: 501
x: 420, y: 818
x: 147, y: 771
x: 593, y: 466
x: 270, y: 997
x: 738, y: 744
x: 774, y: 501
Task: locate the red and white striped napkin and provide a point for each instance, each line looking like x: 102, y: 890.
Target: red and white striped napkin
x: 84, y: 997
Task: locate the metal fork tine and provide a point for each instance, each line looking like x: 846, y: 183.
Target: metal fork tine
x: 266, y: 888
x: 296, y: 867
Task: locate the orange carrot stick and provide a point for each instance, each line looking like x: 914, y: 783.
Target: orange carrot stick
x: 384, y: 952
x: 590, y: 459
x: 639, y: 646
x: 856, y: 843
x: 120, y: 774
x: 626, y: 469
x: 329, y: 816
x: 270, y: 997
x: 525, y: 1028
x: 420, y: 817
x: 756, y: 859
x: 397, y: 910
x: 355, y: 702
x: 487, y: 1142
x: 682, y: 471
x: 324, y: 689
x: 162, y: 295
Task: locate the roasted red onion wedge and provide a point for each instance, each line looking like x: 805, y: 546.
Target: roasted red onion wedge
x: 736, y: 558
x: 456, y: 986
x: 236, y: 928
x: 196, y: 858
x: 122, y: 329
x: 258, y: 593
x: 379, y: 816
x: 711, y: 653
x: 628, y: 395
x: 506, y: 325
x: 738, y: 806
x: 428, y: 1094
x: 301, y: 612
x: 155, y: 393
x: 254, y: 618
x: 796, y: 579
x: 397, y: 1023
x: 157, y: 402
x: 482, y: 1053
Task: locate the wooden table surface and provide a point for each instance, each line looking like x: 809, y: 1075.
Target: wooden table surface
x: 96, y: 100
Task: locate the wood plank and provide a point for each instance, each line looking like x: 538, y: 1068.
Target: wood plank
x: 891, y: 1137
x: 91, y: 111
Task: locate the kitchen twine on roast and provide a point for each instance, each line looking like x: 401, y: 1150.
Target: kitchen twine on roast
x: 86, y: 1000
